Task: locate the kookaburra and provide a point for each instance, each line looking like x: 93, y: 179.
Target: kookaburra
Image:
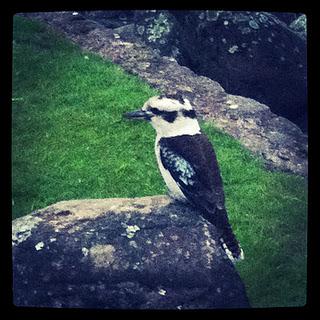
x: 188, y: 163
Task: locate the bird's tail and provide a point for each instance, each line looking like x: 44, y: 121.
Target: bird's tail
x: 228, y: 240
x: 232, y: 248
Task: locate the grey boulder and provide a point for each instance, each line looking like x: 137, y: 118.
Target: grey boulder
x: 140, y: 253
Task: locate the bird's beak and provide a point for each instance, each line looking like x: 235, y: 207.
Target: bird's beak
x: 138, y: 115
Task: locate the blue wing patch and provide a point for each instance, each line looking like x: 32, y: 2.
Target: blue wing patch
x: 182, y: 168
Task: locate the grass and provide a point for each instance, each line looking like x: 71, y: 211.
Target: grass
x: 69, y: 141
x: 69, y: 138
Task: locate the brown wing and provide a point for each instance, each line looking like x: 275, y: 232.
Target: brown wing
x: 193, y: 164
x: 202, y: 186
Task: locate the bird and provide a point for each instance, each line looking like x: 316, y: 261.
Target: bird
x: 188, y: 163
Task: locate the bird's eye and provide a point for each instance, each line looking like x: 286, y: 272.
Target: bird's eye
x: 170, y: 116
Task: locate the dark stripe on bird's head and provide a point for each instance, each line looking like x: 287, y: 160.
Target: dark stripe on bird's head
x: 189, y: 113
x: 169, y: 116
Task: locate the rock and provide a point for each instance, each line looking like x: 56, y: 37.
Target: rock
x: 141, y: 253
x: 252, y: 54
x: 265, y: 134
x: 247, y: 120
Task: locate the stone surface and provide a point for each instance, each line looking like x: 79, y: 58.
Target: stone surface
x: 141, y: 253
x: 252, y: 54
x: 278, y: 141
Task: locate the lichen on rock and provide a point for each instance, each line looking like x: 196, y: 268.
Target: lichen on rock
x: 22, y: 228
x: 159, y: 28
x: 300, y: 25
x: 102, y: 255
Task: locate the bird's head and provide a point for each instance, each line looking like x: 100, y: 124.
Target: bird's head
x: 169, y: 115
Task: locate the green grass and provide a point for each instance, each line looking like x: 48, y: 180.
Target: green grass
x: 69, y: 138
x: 69, y: 141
